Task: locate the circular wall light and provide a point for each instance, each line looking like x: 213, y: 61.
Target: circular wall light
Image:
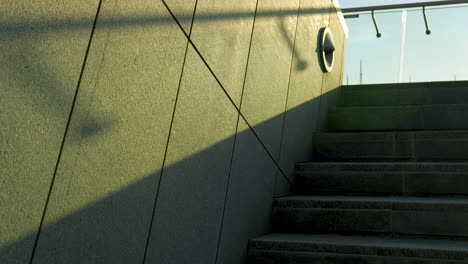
x: 327, y: 49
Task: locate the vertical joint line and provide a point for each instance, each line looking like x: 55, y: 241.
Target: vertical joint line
x: 289, y: 85
x: 235, y: 138
x: 319, y: 119
x: 67, y: 127
x: 170, y: 126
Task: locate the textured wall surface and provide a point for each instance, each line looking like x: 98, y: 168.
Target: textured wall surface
x: 154, y: 131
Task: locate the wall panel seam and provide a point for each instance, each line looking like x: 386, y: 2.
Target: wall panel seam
x: 235, y: 135
x: 287, y: 92
x: 317, y: 126
x: 83, y: 66
x: 170, y: 128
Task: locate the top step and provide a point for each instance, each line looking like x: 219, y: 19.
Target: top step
x: 454, y: 92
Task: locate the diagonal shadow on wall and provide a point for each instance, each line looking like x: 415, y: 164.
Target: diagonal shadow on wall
x: 105, y: 225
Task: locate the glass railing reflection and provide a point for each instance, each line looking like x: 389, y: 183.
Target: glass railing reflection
x: 405, y: 52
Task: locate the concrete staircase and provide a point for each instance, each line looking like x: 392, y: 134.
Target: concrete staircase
x: 389, y: 183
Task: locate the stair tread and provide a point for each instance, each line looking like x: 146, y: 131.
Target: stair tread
x: 377, y: 199
x: 399, y: 106
x: 381, y: 163
x: 433, y: 84
x: 382, y: 132
x: 386, y: 133
x: 406, y: 178
x: 372, y: 214
x: 420, y: 145
x: 330, y: 167
x: 401, y: 117
x: 358, y: 244
x: 404, y: 94
x: 397, y: 203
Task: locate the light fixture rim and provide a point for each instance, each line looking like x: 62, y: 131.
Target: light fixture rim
x: 327, y: 67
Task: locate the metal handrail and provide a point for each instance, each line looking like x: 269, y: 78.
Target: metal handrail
x: 401, y: 6
x: 372, y: 9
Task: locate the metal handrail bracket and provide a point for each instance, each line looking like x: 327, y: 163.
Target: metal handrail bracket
x: 428, y: 30
x: 375, y: 25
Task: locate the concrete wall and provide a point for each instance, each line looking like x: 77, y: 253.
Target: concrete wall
x: 154, y: 132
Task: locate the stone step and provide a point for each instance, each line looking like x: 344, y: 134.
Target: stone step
x: 405, y: 94
x: 415, y: 117
x: 420, y: 145
x: 432, y: 216
x: 402, y: 178
x: 334, y: 249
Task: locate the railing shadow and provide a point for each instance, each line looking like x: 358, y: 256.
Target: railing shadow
x: 52, y: 99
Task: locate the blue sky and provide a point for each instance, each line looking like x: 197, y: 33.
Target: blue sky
x: 441, y: 56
